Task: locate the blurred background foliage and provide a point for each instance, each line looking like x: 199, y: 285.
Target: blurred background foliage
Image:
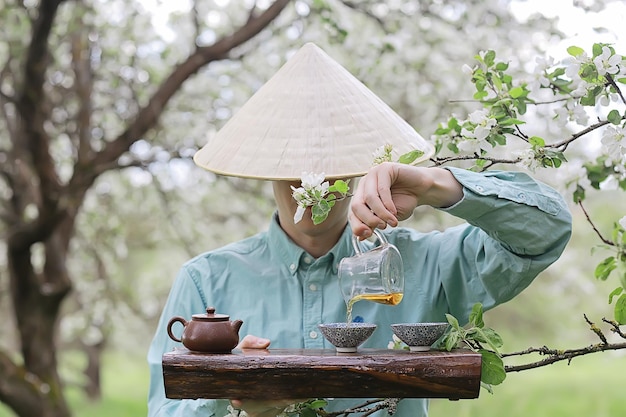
x: 140, y: 221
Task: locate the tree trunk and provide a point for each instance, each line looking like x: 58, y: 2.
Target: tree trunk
x: 93, y: 387
x: 37, y: 298
x: 37, y: 246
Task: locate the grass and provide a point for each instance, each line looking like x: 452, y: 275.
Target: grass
x: 124, y: 385
x: 591, y: 386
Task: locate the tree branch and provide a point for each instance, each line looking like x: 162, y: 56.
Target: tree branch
x: 556, y: 355
x: 84, y: 87
x: 593, y: 226
x: 30, y: 105
x: 148, y: 116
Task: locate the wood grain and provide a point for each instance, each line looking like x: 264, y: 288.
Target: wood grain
x: 309, y: 373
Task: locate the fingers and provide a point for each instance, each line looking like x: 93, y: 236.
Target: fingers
x: 253, y: 342
x: 256, y: 408
x: 372, y: 204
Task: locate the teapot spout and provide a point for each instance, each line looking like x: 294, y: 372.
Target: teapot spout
x: 236, y: 325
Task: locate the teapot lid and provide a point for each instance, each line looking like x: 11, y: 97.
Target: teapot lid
x: 210, y: 316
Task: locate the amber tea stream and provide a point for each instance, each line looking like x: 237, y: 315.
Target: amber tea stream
x: 391, y: 299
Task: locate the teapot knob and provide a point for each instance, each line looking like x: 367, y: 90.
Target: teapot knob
x: 210, y: 310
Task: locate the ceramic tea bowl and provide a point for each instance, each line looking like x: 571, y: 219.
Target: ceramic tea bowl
x: 346, y: 337
x: 419, y: 336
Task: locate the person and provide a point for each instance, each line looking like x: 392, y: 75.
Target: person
x: 313, y: 116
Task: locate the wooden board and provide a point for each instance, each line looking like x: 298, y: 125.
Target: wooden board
x: 310, y: 373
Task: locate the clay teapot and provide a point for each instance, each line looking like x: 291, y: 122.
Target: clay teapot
x: 210, y: 332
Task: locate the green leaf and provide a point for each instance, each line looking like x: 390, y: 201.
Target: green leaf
x: 502, y: 66
x: 410, y: 157
x: 479, y: 95
x: 516, y: 92
x: 318, y: 403
x: 604, y: 268
x: 451, y: 340
x: 537, y: 141
x: 511, y: 121
x: 597, y: 49
x: 492, y: 369
x: 620, y: 309
x: 616, y: 291
x: 453, y: 123
x: 476, y: 316
x: 579, y: 194
x: 490, y: 57
x: 575, y: 51
x: 453, y: 321
x: 340, y: 186
x: 489, y: 336
x: 319, y: 211
x: 307, y: 412
x: 497, y: 83
x: 614, y: 117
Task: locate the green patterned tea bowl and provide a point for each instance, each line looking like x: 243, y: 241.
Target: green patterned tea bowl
x: 419, y: 336
x: 346, y: 337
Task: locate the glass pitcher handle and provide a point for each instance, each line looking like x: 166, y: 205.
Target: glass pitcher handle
x: 357, y: 247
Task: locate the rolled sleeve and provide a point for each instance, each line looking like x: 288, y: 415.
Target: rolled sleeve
x: 521, y: 227
x: 526, y: 216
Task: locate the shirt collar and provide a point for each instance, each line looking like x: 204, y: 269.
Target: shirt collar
x: 291, y: 253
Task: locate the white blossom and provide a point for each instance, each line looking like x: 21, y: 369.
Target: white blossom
x: 539, y: 74
x: 614, y: 142
x: 528, y: 159
x: 622, y: 222
x: 382, y: 154
x: 472, y: 146
x: 481, y: 117
x: 606, y: 63
x: 312, y: 189
x: 311, y: 180
x: 573, y: 64
x: 467, y: 69
x: 232, y: 412
x: 582, y: 87
x: 299, y: 213
x: 571, y: 112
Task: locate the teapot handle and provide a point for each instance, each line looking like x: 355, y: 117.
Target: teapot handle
x: 355, y: 241
x: 169, y: 327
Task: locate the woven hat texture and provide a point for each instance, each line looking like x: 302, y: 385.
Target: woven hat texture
x: 311, y: 116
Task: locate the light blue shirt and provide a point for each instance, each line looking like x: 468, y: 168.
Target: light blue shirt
x: 516, y: 227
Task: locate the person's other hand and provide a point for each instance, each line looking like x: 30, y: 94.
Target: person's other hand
x: 253, y: 342
x: 258, y: 408
x: 254, y: 408
x: 390, y: 192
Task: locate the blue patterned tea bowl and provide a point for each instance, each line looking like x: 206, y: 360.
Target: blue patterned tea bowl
x: 346, y: 337
x: 419, y: 336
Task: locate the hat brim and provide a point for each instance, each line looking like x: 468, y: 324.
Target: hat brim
x: 311, y: 116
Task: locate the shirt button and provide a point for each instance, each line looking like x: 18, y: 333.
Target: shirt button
x: 521, y: 196
x: 479, y: 188
x: 313, y: 287
x: 313, y: 334
x: 292, y: 267
x: 307, y: 260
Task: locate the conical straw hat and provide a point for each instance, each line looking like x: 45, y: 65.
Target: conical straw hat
x: 311, y: 116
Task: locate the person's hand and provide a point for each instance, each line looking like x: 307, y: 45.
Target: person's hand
x: 253, y: 342
x: 258, y: 408
x: 254, y: 408
x: 391, y: 191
